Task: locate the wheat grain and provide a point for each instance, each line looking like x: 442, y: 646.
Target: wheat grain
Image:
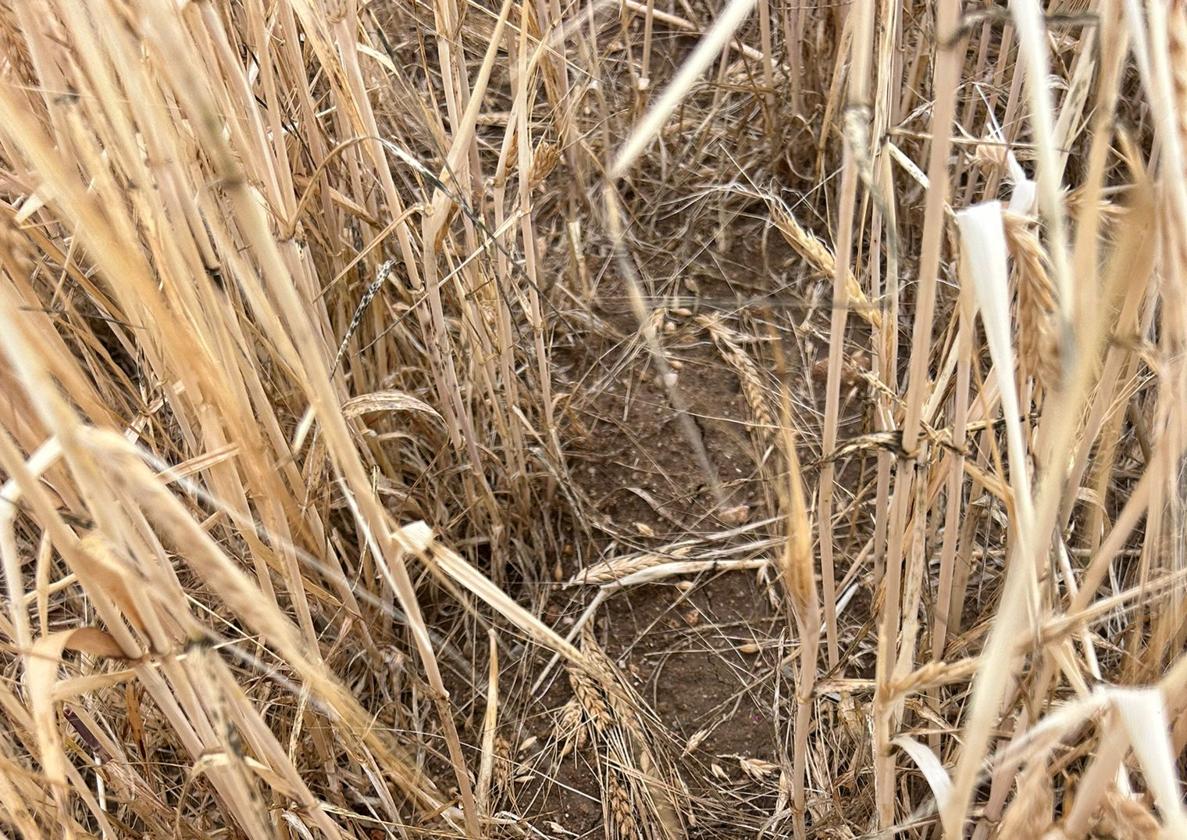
x: 748, y: 375
x: 544, y: 160
x: 1124, y: 818
x: 809, y: 246
x: 1031, y: 814
x: 621, y: 809
x: 1036, y: 306
x: 618, y: 568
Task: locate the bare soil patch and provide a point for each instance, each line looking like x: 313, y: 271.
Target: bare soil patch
x: 702, y: 651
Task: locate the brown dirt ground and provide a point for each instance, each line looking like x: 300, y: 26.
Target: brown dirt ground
x: 703, y: 652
